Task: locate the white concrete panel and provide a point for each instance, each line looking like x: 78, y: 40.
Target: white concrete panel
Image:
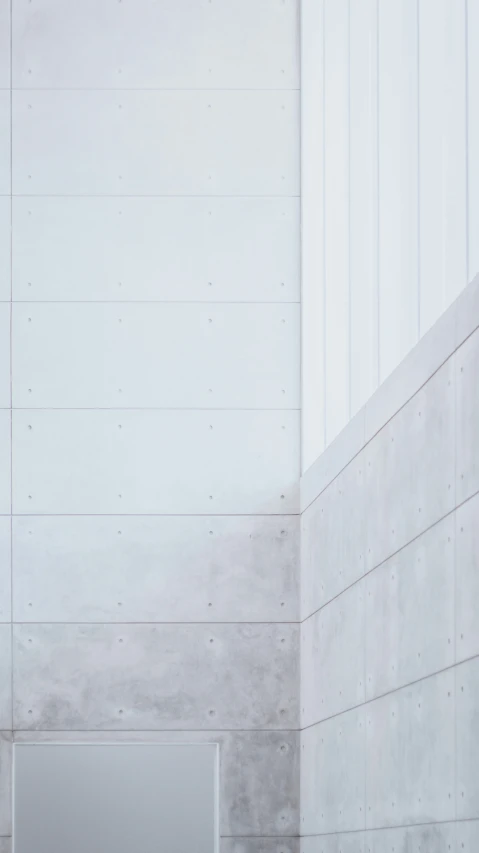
x: 410, y: 612
x: 467, y: 739
x: 406, y: 489
x: 473, y: 135
x: 398, y: 182
x: 155, y: 676
x: 5, y: 462
x: 175, y: 569
x: 332, y: 556
x: 336, y: 215
x: 4, y: 248
x: 5, y: 570
x: 363, y: 212
x: 332, y: 775
x: 4, y: 355
x: 165, y: 356
x: 430, y: 838
x: 217, y: 143
x: 442, y: 156
x: 5, y: 183
x: 238, y: 249
x: 5, y: 845
x: 332, y: 657
x: 4, y: 44
x: 351, y: 842
x: 467, y: 418
x: 5, y: 782
x: 467, y: 579
x: 259, y: 773
x: 5, y: 676
x: 410, y: 754
x: 312, y: 231
x: 467, y: 836
x: 186, y: 45
x: 171, y: 462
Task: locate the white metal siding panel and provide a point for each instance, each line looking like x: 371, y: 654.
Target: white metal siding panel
x: 336, y: 117
x: 398, y: 182
x: 364, y: 201
x: 442, y: 156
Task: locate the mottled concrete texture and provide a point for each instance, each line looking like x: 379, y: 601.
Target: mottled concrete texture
x: 156, y: 676
x: 389, y: 601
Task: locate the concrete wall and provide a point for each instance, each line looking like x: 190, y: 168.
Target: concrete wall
x: 149, y: 423
x: 390, y: 593
x: 390, y: 172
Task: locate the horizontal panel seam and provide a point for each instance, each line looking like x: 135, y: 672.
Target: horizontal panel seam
x: 380, y: 696
x: 390, y: 556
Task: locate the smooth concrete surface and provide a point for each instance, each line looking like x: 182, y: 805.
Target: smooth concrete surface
x: 467, y: 739
x: 127, y: 339
x: 406, y: 489
x: 237, y: 60
x: 259, y: 773
x: 5, y: 461
x: 333, y: 756
x: 155, y: 676
x: 430, y: 838
x: 341, y: 558
x: 467, y: 413
x: 410, y: 754
x: 159, y: 461
x: 410, y: 612
x: 193, y: 569
x: 4, y: 355
x: 467, y: 579
x: 4, y: 143
x: 255, y: 259
x: 405, y: 623
x: 332, y: 657
x: 5, y: 570
x: 5, y: 259
x: 246, y: 142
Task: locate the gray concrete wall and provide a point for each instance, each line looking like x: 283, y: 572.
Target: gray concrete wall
x: 150, y: 388
x: 390, y: 597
